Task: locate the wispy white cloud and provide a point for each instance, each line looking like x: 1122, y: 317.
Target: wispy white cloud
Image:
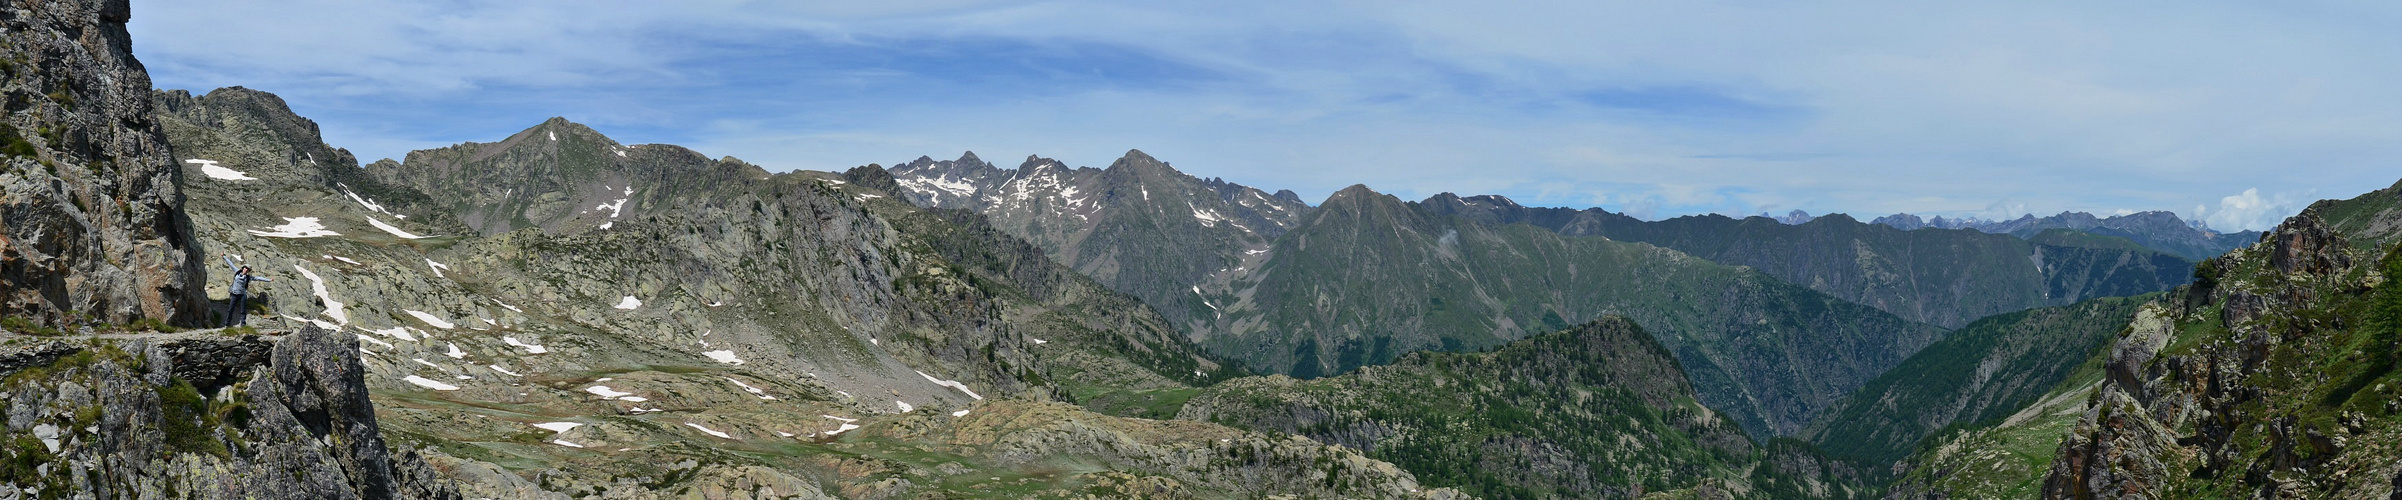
x: 1664, y: 108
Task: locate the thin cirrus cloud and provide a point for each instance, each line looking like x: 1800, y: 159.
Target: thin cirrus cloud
x: 2244, y: 111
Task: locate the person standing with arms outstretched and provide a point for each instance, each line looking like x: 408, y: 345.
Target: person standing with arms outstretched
x: 241, y: 289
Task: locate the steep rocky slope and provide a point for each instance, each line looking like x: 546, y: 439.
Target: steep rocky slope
x: 2272, y: 376
x: 94, y: 226
x: 1140, y: 226
x: 199, y: 416
x: 1944, y: 277
x: 1979, y: 375
x: 1599, y: 410
x: 715, y: 331
x: 1366, y: 278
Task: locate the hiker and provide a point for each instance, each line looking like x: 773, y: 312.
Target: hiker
x: 241, y: 288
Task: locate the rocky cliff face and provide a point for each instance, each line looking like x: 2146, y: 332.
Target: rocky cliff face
x: 2273, y: 376
x: 91, y: 210
x: 202, y: 416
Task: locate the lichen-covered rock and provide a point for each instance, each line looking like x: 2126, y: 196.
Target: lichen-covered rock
x: 118, y: 420
x: 91, y: 206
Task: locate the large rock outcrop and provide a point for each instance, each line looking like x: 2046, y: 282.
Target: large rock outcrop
x: 91, y: 208
x: 204, y: 416
x: 2287, y: 390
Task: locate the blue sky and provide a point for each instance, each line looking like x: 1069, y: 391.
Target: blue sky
x: 2237, y: 113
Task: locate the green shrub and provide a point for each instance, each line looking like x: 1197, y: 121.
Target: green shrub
x: 151, y: 325
x: 185, y: 417
x: 28, y: 327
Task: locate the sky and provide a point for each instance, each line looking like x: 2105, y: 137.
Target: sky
x: 2235, y: 113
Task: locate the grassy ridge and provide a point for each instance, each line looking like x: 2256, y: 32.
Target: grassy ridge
x: 1981, y: 373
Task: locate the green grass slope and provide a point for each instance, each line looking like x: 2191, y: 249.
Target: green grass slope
x: 1979, y: 374
x: 1366, y: 278
x: 1599, y: 410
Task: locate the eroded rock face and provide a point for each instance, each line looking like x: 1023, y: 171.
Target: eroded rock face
x: 2283, y: 392
x: 91, y: 207
x: 120, y: 421
x: 2305, y: 244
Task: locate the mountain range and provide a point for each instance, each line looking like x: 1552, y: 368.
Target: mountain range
x: 556, y: 314
x: 2158, y: 230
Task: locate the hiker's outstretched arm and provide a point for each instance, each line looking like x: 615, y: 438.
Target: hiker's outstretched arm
x: 229, y: 263
x: 255, y: 277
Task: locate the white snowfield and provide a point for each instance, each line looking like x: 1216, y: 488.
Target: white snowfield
x: 387, y: 345
x: 711, y: 432
x: 753, y: 390
x: 454, y: 352
x: 1037, y: 341
x: 428, y: 364
x: 333, y: 308
x: 210, y: 169
x: 936, y: 187
x: 345, y: 260
x: 960, y: 413
x: 394, y: 332
x: 430, y: 383
x: 606, y: 393
x: 370, y: 205
x: 429, y: 319
x: 1208, y: 218
x: 529, y: 348
x: 297, y: 227
x: 954, y: 384
x: 437, y: 267
x: 558, y: 426
x: 847, y: 424
x: 616, y: 208
x: 563, y: 442
x: 379, y: 224
x: 905, y: 408
x: 497, y: 368
x: 726, y: 357
x: 630, y: 303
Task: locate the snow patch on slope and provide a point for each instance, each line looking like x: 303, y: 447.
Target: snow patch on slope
x: 297, y: 227
x: 210, y: 169
x: 429, y: 319
x: 379, y: 224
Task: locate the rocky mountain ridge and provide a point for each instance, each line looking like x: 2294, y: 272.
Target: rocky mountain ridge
x: 2272, y: 376
x: 1140, y: 226
x: 2159, y: 230
x: 1947, y: 278
x: 792, y: 336
x: 1366, y: 278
